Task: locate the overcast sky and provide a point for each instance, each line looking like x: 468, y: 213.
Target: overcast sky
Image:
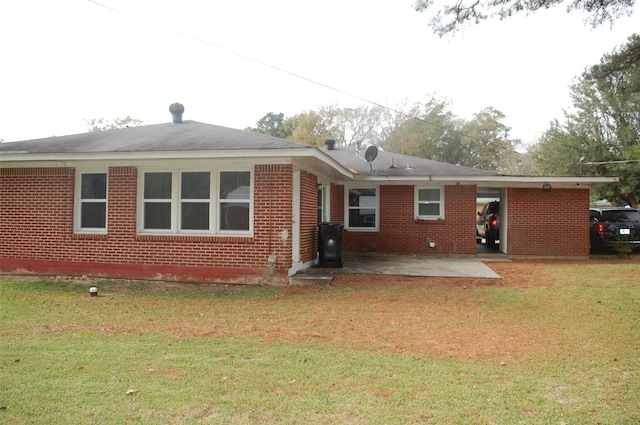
x: 67, y: 61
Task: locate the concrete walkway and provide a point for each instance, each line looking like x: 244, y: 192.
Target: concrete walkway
x: 400, y: 265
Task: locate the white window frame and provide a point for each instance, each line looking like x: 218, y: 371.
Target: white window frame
x: 220, y: 203
x: 78, y: 201
x: 173, y: 201
x: 181, y: 200
x: 347, y: 208
x: 417, y: 203
x: 325, y: 208
x: 176, y: 202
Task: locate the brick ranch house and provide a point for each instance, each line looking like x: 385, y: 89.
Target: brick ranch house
x: 198, y: 202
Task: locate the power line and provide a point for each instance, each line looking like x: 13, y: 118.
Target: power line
x: 612, y: 162
x: 268, y: 65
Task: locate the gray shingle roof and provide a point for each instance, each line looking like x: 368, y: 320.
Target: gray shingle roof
x: 393, y: 164
x: 186, y: 136
x: 196, y: 136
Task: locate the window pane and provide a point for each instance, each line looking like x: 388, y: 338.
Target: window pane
x: 157, y: 215
x: 93, y: 215
x: 321, y: 204
x: 362, y: 197
x: 429, y: 209
x: 235, y: 185
x: 234, y: 216
x: 94, y: 186
x: 195, y: 215
x: 362, y: 218
x: 621, y: 215
x: 157, y: 186
x: 432, y: 195
x: 195, y: 185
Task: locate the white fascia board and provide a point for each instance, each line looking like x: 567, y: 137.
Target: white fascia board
x: 493, y: 181
x: 174, y: 155
x: 146, y: 163
x: 101, y: 156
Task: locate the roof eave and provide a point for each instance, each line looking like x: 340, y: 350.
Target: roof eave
x: 194, y: 154
x: 310, y: 152
x: 495, y: 180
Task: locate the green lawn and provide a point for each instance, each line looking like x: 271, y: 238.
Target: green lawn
x: 171, y: 354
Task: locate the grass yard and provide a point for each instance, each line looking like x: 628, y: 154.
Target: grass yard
x: 549, y: 343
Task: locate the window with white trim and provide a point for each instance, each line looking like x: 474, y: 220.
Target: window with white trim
x: 429, y: 203
x: 91, y: 205
x: 196, y: 202
x: 158, y: 194
x: 362, y: 208
x: 235, y: 200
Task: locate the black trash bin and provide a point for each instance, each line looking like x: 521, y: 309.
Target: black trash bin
x: 330, y: 244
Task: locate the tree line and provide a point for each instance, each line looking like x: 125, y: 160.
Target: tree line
x: 427, y: 130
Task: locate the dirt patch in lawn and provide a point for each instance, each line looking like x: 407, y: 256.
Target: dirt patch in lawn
x: 422, y: 316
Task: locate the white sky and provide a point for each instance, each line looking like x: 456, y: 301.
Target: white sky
x: 66, y: 61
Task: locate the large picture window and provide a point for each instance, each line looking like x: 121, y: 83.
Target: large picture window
x: 362, y: 208
x: 92, y: 203
x: 184, y: 202
x: 429, y: 203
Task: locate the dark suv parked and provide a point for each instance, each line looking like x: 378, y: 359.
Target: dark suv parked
x: 488, y: 223
x: 611, y: 227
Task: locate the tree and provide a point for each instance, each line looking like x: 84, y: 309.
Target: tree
x: 428, y: 130
x: 456, y: 14
x: 310, y: 127
x: 101, y: 124
x: 356, y: 126
x: 432, y: 131
x: 273, y: 125
x: 487, y: 140
x: 348, y: 126
x: 603, y: 129
x: 516, y: 163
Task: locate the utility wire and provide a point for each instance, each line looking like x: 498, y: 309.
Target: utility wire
x: 268, y: 65
x: 625, y: 161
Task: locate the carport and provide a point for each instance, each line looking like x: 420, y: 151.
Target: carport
x: 488, y: 194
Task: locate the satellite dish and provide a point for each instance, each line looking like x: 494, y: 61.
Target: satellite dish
x: 371, y: 153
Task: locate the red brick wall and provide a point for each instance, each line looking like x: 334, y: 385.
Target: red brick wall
x: 36, y: 213
x: 552, y: 223
x: 273, y: 207
x: 401, y: 233
x: 336, y: 203
x: 36, y: 231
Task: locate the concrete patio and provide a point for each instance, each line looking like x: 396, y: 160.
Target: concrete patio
x: 400, y: 265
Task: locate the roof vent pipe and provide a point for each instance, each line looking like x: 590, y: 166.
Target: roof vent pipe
x: 176, y: 110
x: 331, y: 144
